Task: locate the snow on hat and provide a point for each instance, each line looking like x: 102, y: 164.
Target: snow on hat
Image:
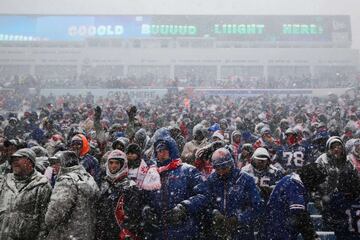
x: 222, y: 158
x: 25, y: 152
x: 261, y: 154
x: 218, y: 135
x: 134, y: 148
x: 116, y: 154
x: 67, y: 158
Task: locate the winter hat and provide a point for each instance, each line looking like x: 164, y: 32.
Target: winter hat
x: 123, y: 141
x: 40, y: 151
x: 116, y: 154
x: 76, y: 138
x: 261, y: 154
x: 25, y: 152
x: 265, y: 130
x: 333, y: 140
x: 218, y: 135
x: 222, y: 158
x: 134, y: 148
x: 56, y: 158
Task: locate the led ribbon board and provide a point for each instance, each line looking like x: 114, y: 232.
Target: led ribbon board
x: 221, y: 27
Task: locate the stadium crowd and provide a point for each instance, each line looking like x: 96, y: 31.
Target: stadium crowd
x: 105, y: 80
x: 76, y: 167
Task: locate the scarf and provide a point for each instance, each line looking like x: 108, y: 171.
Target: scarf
x: 171, y: 166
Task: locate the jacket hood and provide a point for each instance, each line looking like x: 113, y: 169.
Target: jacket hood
x: 333, y: 140
x: 198, y: 128
x: 123, y: 171
x: 141, y: 136
x: 85, y: 144
x: 236, y: 132
x: 162, y: 135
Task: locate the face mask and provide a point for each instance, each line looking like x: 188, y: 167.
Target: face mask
x: 134, y: 163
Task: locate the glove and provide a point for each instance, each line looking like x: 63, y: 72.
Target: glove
x: 150, y: 217
x: 97, y: 113
x: 231, y: 223
x: 219, y: 223
x: 176, y: 215
x: 132, y: 112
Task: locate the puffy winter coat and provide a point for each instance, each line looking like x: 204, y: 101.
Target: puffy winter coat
x: 178, y: 185
x: 333, y: 168
x: 71, y: 213
x: 123, y: 192
x: 236, y: 196
x: 22, y: 206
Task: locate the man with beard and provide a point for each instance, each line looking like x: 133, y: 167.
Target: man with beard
x: 24, y: 196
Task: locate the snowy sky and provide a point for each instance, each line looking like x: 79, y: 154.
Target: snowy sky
x: 241, y: 7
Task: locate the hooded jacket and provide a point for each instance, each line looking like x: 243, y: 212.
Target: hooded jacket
x: 118, y: 192
x: 22, y: 211
x: 71, y: 211
x: 188, y: 153
x: 142, y: 139
x: 333, y: 167
x: 89, y: 162
x: 178, y: 185
x: 235, y: 147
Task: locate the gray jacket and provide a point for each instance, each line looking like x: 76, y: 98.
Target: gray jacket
x: 71, y: 213
x: 22, y: 206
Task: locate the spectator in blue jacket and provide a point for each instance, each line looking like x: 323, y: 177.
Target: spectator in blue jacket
x: 286, y: 213
x: 172, y: 211
x: 233, y: 197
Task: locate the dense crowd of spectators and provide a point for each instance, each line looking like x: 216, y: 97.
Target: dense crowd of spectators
x: 230, y: 82
x: 178, y: 167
